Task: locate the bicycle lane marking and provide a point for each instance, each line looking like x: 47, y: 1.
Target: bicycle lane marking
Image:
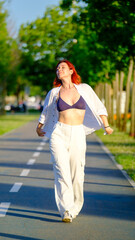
x: 16, y: 187
x: 24, y: 172
x: 4, y: 206
x: 31, y: 161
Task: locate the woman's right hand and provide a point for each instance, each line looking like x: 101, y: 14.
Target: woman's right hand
x: 40, y: 131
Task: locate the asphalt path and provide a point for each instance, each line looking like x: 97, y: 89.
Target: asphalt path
x: 27, y: 205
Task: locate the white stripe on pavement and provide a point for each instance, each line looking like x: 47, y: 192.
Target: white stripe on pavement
x: 16, y: 187
x: 36, y: 154
x: 39, y: 148
x: 45, y: 139
x: 25, y: 172
x: 42, y: 143
x: 31, y: 161
x: 4, y: 208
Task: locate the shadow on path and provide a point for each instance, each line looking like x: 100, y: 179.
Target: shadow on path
x: 97, y: 203
x: 13, y: 236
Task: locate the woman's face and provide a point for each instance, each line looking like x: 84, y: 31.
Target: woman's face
x: 63, y: 71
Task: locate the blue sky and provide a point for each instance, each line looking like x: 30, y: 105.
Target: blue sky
x: 22, y: 11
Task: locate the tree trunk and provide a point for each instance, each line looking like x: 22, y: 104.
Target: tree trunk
x: 110, y: 113
x: 127, y: 95
x: 132, y: 130
x: 2, y: 97
x: 96, y: 89
x: 108, y: 100
x: 113, y: 103
x: 120, y: 98
x: 117, y: 97
x: 111, y: 119
x: 102, y: 92
x: 99, y: 90
x: 106, y: 95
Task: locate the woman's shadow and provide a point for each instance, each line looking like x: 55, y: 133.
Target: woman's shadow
x: 20, y: 213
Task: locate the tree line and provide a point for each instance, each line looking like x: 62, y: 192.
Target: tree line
x: 97, y: 36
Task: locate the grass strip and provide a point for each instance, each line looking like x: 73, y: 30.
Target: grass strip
x: 122, y: 146
x: 13, y: 121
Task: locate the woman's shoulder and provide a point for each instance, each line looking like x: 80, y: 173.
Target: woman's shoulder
x: 53, y: 90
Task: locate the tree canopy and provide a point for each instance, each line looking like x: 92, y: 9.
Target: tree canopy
x: 4, y: 56
x: 113, y: 22
x: 96, y: 36
x: 44, y: 42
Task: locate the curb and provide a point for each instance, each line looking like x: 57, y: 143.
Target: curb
x: 120, y: 167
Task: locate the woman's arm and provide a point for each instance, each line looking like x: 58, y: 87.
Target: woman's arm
x: 106, y: 124
x: 39, y: 130
x: 41, y: 122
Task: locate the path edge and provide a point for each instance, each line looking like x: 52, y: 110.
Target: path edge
x: 120, y: 167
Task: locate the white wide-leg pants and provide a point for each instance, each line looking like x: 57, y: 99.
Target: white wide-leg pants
x: 68, y: 147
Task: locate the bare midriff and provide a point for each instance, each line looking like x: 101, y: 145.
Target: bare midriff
x: 72, y: 116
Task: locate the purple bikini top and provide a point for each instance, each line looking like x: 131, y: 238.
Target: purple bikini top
x: 62, y: 105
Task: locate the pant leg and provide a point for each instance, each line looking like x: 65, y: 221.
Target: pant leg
x: 77, y: 164
x: 59, y: 143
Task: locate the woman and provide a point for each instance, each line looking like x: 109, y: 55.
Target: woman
x: 71, y: 111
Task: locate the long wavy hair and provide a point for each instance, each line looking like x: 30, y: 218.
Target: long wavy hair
x: 75, y: 77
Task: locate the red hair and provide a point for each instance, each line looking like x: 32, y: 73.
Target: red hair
x: 75, y: 77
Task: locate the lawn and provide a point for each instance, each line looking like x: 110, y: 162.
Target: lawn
x: 122, y: 146
x: 13, y: 121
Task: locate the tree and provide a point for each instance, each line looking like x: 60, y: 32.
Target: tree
x: 16, y: 79
x: 44, y: 42
x: 4, y: 56
x: 132, y: 129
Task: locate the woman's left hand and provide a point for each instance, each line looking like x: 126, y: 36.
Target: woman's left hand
x: 109, y: 130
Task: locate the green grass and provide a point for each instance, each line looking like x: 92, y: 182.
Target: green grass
x: 13, y: 121
x: 122, y: 146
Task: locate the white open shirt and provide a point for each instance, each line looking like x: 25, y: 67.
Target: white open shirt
x: 94, y: 108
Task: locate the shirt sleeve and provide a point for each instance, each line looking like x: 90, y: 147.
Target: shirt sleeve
x: 44, y: 112
x: 96, y: 102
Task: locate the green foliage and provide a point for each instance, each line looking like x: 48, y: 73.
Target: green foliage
x: 112, y: 23
x: 36, y: 90
x: 43, y: 43
x: 12, y: 79
x: 4, y: 43
x: 16, y: 79
x: 4, y: 56
x: 115, y: 30
x: 97, y: 36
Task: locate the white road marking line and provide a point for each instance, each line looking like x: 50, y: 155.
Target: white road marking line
x: 25, y: 172
x: 4, y: 208
x: 42, y: 143
x: 45, y: 139
x: 31, y: 161
x: 39, y: 148
x: 36, y: 154
x: 16, y: 187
